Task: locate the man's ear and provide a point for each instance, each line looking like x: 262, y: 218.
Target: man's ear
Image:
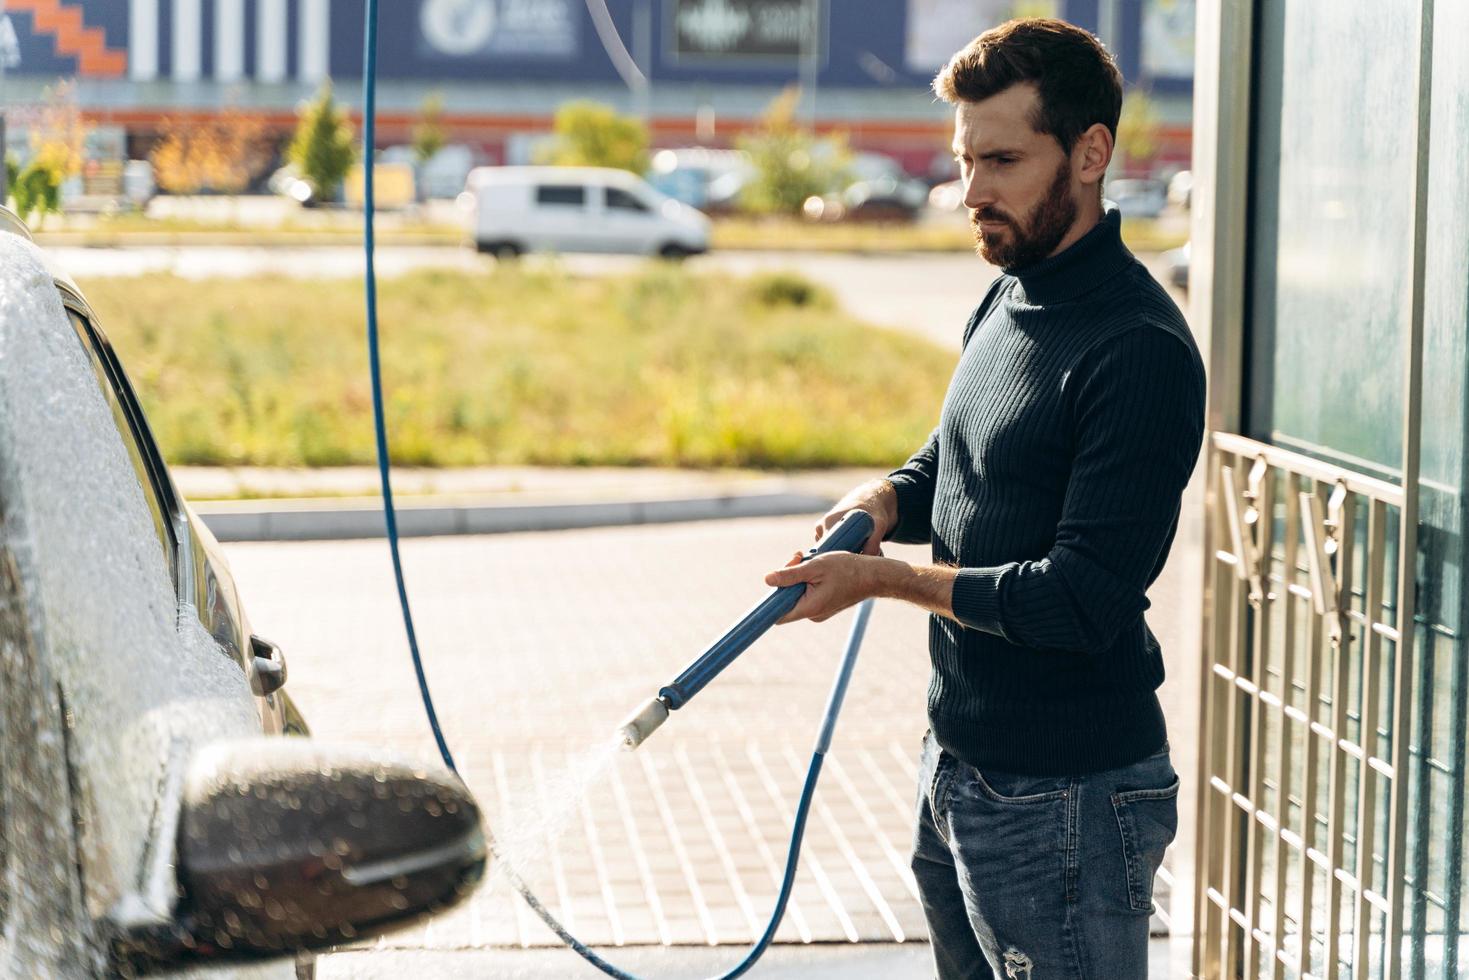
x: 1092, y: 154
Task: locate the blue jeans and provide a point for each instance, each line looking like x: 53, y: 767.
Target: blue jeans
x: 1040, y: 877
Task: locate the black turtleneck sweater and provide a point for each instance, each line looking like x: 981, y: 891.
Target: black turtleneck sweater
x: 1053, y: 482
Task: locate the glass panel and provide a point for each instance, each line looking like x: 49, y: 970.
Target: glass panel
x: 1378, y: 925
x: 1332, y: 228
x: 571, y: 195
x: 1268, y: 757
x: 1386, y: 685
x: 1353, y: 771
x: 621, y: 200
x: 1345, y: 944
x: 1446, y: 393
x: 135, y: 452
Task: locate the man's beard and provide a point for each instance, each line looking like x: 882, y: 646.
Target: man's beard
x: 1045, y: 226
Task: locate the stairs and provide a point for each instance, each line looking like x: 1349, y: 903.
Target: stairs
x: 88, y: 45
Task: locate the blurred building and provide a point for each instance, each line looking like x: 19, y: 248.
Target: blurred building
x: 699, y: 70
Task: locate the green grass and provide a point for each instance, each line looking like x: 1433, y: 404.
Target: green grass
x: 523, y: 365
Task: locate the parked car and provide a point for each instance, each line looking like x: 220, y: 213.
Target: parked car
x: 948, y: 196
x: 579, y: 209
x: 889, y: 199
x: 1138, y: 197
x: 288, y: 182
x: 164, y: 811
x: 704, y: 178
x: 441, y: 176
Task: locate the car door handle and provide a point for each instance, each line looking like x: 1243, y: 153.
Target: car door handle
x: 270, y: 667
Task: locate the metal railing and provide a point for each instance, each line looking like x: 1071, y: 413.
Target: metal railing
x: 1305, y: 700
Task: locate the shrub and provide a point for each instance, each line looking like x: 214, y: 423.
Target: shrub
x: 790, y: 163
x: 589, y: 134
x: 323, y: 150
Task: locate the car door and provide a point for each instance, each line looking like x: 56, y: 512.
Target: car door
x: 561, y: 217
x: 43, y: 931
x: 187, y: 665
x: 201, y: 592
x: 632, y: 224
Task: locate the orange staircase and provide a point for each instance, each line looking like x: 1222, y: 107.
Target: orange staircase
x: 73, y: 37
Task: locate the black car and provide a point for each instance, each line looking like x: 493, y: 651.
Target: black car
x: 162, y: 811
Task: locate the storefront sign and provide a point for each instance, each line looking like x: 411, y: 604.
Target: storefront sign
x: 745, y: 30
x: 491, y: 29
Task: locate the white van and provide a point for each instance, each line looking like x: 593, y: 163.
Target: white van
x: 579, y: 209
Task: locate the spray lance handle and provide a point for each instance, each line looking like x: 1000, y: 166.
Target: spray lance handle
x: 850, y: 534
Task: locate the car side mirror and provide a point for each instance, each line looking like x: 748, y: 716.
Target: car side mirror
x: 285, y: 844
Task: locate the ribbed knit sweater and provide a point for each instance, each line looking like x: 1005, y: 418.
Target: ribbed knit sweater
x: 1053, y: 483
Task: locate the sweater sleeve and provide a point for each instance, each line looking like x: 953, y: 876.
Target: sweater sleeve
x: 914, y: 484
x: 1138, y: 410
x: 915, y: 480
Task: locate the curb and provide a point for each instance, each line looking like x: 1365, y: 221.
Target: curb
x: 331, y: 521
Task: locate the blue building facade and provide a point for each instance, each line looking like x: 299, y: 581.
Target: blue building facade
x: 501, y: 67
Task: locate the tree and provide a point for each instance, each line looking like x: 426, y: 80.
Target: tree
x: 791, y: 164
x: 36, y: 192
x: 1139, y: 128
x: 589, y: 134
x: 428, y: 133
x: 223, y: 154
x: 57, y: 140
x: 323, y: 150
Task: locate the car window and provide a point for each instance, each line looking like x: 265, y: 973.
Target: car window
x: 571, y: 195
x: 127, y: 416
x: 621, y: 200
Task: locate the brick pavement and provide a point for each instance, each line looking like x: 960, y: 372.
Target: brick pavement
x: 537, y: 645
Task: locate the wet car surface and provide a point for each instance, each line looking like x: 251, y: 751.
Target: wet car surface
x: 153, y: 820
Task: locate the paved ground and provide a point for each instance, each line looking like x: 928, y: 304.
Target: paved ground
x: 538, y: 644
x: 826, y: 961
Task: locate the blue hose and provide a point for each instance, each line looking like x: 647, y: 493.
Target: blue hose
x: 839, y: 688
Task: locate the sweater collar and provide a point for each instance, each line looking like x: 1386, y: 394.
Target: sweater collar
x: 1090, y: 261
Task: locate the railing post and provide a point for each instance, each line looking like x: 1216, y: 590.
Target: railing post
x: 1407, y: 603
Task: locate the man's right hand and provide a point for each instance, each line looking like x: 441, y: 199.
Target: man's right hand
x: 878, y: 499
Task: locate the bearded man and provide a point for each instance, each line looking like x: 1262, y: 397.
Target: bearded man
x: 1050, y: 494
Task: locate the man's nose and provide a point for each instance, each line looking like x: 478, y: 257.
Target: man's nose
x: 976, y: 194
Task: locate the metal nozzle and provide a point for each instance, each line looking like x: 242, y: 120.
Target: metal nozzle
x: 642, y: 723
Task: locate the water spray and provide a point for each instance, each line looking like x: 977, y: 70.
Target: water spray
x: 849, y: 535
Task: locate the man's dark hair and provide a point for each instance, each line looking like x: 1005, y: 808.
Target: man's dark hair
x: 1078, y: 80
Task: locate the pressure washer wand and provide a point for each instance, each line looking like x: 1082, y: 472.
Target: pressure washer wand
x: 850, y: 534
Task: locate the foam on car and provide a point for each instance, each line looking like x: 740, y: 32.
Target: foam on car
x: 142, y: 679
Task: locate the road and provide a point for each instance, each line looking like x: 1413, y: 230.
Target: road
x: 930, y: 294
x: 538, y: 644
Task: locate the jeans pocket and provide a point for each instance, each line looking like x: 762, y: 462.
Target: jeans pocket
x: 1013, y: 789
x: 1148, y: 819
